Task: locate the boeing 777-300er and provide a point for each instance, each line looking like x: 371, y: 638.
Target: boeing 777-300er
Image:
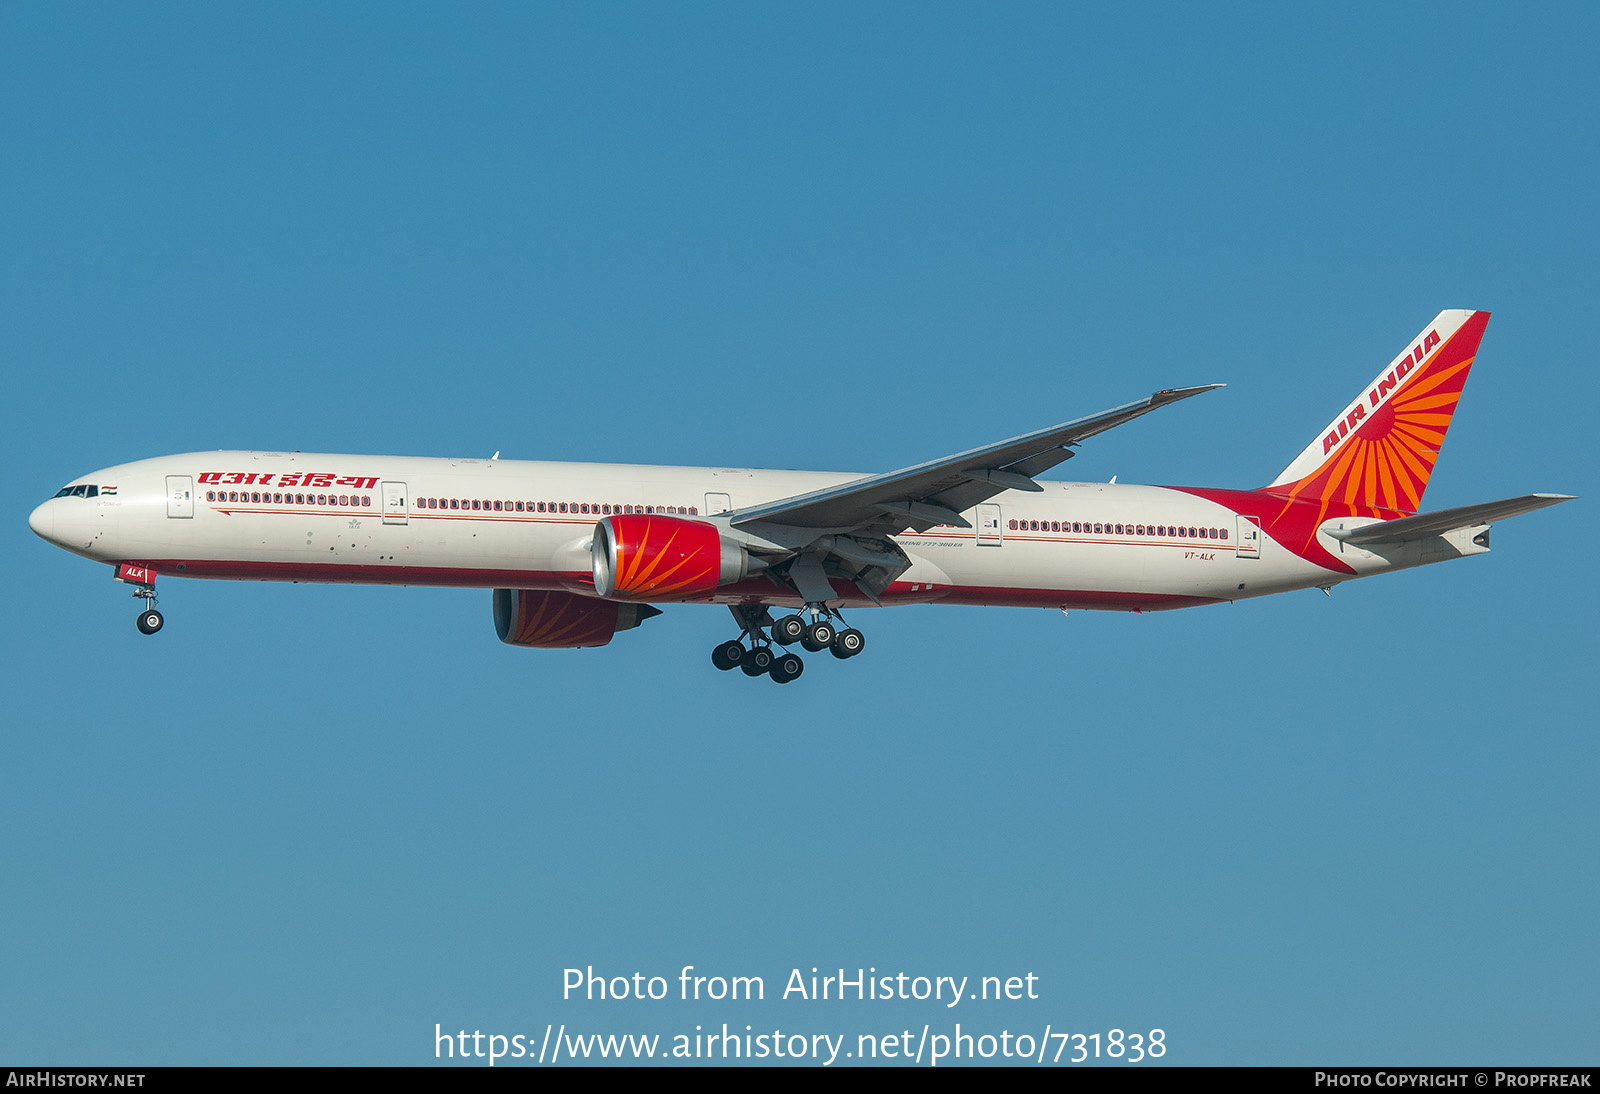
x: 576, y: 552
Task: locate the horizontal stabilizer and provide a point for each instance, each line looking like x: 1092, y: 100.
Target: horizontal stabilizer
x: 1445, y: 520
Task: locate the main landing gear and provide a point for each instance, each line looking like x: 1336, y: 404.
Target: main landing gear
x: 149, y: 621
x: 759, y: 658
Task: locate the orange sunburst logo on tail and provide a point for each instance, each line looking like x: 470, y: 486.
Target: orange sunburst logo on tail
x: 1376, y: 458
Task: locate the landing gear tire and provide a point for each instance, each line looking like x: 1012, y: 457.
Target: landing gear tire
x: 787, y: 666
x: 756, y: 662
x: 789, y: 630
x: 818, y: 636
x: 150, y: 621
x: 848, y: 643
x: 727, y: 654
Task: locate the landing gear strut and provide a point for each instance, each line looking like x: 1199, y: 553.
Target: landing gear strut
x: 760, y: 658
x: 149, y: 621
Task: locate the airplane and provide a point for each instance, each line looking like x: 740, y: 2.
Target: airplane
x: 577, y: 552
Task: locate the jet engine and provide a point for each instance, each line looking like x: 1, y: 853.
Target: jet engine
x: 648, y: 556
x: 560, y: 621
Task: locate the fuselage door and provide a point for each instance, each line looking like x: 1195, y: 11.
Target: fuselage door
x: 718, y: 503
x: 988, y: 526
x: 1248, y: 545
x: 180, y: 496
x: 394, y: 503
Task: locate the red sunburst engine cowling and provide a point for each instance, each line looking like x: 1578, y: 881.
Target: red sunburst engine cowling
x: 561, y: 621
x: 650, y: 557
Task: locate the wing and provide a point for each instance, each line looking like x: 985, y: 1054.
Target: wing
x: 842, y: 532
x: 937, y: 492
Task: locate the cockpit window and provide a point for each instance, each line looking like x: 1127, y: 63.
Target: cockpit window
x: 80, y: 491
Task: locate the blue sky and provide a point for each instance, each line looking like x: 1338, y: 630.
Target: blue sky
x: 307, y: 823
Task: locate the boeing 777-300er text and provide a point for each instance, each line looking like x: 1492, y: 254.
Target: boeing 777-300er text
x: 576, y: 552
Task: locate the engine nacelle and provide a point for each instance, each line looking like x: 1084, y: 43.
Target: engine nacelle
x: 561, y: 621
x: 648, y: 556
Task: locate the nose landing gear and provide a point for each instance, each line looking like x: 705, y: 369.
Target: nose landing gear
x: 149, y: 621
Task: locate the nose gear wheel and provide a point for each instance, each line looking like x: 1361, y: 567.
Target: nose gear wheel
x: 150, y: 621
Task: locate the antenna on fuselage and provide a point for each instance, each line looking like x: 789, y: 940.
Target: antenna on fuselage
x: 496, y: 455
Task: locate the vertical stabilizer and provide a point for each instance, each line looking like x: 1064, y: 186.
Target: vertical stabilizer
x: 1375, y: 458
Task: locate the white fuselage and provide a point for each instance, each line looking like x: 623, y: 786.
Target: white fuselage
x: 529, y: 525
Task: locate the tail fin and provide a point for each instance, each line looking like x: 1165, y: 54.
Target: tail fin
x: 1375, y: 458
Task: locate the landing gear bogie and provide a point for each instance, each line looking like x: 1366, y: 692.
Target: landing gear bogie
x: 757, y: 654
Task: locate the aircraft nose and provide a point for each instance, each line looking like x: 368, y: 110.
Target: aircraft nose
x: 43, y: 521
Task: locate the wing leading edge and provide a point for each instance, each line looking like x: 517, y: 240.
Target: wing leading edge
x: 937, y: 492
